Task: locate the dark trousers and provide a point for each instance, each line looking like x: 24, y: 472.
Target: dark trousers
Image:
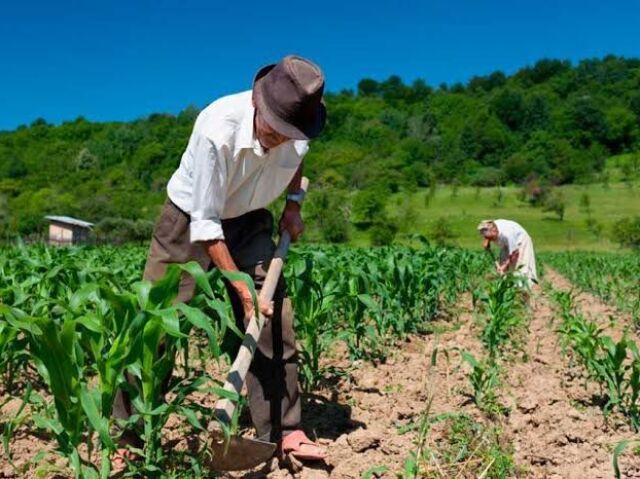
x: 272, y: 381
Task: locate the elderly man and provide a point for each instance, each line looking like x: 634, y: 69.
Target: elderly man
x: 516, y: 248
x: 244, y: 151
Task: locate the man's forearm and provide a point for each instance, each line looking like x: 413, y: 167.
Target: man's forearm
x: 221, y: 257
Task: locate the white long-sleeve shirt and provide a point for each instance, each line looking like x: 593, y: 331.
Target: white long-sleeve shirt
x: 510, y: 235
x: 225, y: 172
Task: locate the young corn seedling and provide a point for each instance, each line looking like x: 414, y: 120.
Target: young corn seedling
x: 484, y: 380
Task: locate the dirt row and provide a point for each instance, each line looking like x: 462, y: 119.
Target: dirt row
x: 557, y: 424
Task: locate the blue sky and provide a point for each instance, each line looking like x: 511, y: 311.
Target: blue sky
x: 120, y: 60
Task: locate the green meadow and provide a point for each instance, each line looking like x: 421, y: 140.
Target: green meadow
x: 464, y: 207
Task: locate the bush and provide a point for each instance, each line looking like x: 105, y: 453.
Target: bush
x: 327, y: 212
x: 382, y: 233
x: 487, y: 176
x: 556, y: 204
x: 442, y: 232
x: 626, y: 232
x: 534, y: 192
x: 367, y: 205
x: 121, y: 230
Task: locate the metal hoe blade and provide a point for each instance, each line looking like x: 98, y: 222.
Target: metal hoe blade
x: 240, y: 453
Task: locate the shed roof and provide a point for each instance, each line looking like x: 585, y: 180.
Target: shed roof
x: 70, y: 221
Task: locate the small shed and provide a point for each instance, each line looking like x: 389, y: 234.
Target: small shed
x: 64, y: 230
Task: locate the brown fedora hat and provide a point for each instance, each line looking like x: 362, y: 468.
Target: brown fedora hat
x: 289, y: 96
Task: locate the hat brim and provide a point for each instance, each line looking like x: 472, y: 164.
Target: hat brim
x: 278, y: 124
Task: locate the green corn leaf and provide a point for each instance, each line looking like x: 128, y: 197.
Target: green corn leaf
x: 191, y: 416
x: 84, y: 294
x: 368, y: 301
x: 199, y: 320
x: 170, y: 321
x: 619, y: 449
x: 92, y: 323
x: 164, y: 291
x: 91, y: 404
x: 199, y: 275
x: 224, y: 394
x: 374, y: 471
x: 142, y: 290
x: 46, y: 423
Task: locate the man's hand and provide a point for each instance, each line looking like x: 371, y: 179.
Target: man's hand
x: 292, y: 221
x: 266, y: 308
x: 219, y: 254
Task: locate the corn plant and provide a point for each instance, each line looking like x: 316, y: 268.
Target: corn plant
x: 503, y: 314
x: 313, y: 305
x: 104, y: 332
x: 614, y: 366
x: 484, y: 379
x: 611, y: 276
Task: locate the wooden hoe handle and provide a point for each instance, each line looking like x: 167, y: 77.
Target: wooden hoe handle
x: 235, y: 379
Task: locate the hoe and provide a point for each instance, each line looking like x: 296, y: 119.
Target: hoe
x: 239, y: 453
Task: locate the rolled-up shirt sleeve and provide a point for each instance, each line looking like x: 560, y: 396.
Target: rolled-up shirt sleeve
x: 209, y: 191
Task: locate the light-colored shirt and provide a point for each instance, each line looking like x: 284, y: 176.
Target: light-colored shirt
x: 510, y: 235
x: 225, y: 172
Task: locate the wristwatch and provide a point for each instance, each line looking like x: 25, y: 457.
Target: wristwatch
x: 296, y: 197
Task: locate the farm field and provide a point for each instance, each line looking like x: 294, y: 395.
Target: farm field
x: 415, y: 363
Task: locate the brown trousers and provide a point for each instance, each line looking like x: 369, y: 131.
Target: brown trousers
x: 272, y: 381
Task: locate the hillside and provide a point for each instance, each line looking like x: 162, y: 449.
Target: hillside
x: 461, y: 209
x: 553, y: 122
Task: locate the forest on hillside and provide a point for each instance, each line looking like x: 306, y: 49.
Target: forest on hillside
x: 553, y: 123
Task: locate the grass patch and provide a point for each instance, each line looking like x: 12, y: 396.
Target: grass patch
x: 468, y: 449
x: 465, y: 207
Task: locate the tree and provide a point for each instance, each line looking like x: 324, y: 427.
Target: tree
x: 536, y: 115
x: 368, y: 87
x: 509, y: 107
x: 368, y: 205
x: 543, y: 70
x: 626, y: 232
x: 555, y: 203
x: 442, y: 232
x: 147, y: 159
x: 16, y: 169
x: 85, y: 160
x: 622, y: 129
x: 393, y: 89
x: 587, y: 122
x: 327, y: 212
x: 4, y: 216
x: 122, y: 230
x: 383, y: 232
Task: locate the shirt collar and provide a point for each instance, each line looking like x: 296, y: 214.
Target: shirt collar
x: 246, y: 134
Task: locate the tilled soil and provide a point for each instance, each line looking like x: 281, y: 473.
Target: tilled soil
x: 554, y: 423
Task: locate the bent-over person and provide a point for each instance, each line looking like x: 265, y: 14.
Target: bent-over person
x: 516, y: 248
